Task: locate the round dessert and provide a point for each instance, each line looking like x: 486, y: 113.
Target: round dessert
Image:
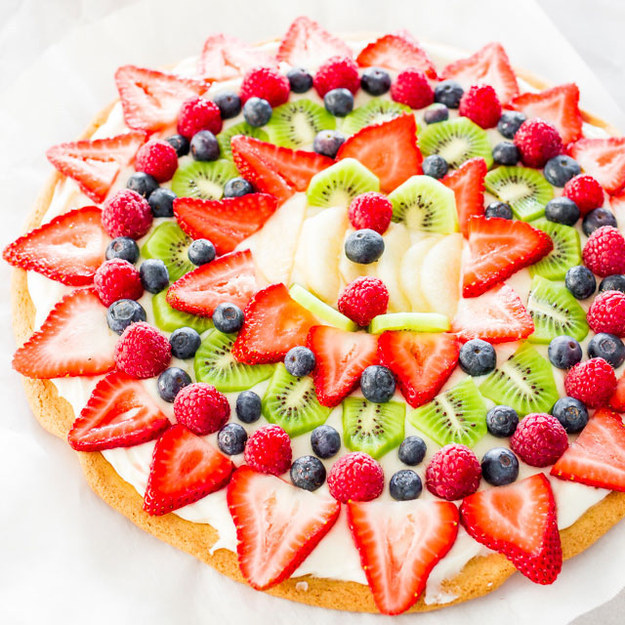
x: 341, y: 317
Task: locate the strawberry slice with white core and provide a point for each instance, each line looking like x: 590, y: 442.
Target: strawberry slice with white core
x: 278, y: 525
x: 119, y: 413
x: 399, y: 544
x: 603, y: 159
x: 74, y: 340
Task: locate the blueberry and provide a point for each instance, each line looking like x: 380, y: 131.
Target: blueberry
x: 615, y: 282
x: 562, y: 210
x: 299, y: 361
x: 124, y: 248
x: 339, y: 102
x: 571, y: 413
x: 375, y: 81
x: 179, y: 143
x: 498, y: 209
x: 123, y: 312
x: 560, y: 169
x: 596, y: 219
x: 257, y: 112
x: 510, y: 122
x: 201, y: 251
x: 412, y: 450
x: 299, y: 80
x: 435, y: 166
x: 325, y: 441
x: 161, y: 202
x: 231, y: 439
x: 328, y: 142
x: 500, y: 466
x: 564, y: 352
x: 142, y: 183
x: 184, y: 342
x: 308, y: 472
x: 377, y: 384
x: 448, y: 93
x: 204, y: 146
x: 405, y: 485
x: 248, y: 407
x: 477, y: 357
x: 238, y: 187
x: 435, y: 113
x: 506, y: 153
x: 607, y: 346
x: 502, y: 421
x: 580, y: 281
x: 171, y: 382
x: 228, y: 318
x: 154, y: 275
x: 229, y: 104
x: 364, y: 246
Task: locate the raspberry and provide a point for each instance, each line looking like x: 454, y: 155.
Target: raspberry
x: 142, y: 351
x: 356, y: 477
x: 539, y: 440
x: 537, y: 141
x: 481, y: 105
x: 127, y: 214
x: 157, y: 158
x: 363, y: 299
x: 201, y: 408
x: 337, y: 71
x: 412, y: 88
x: 267, y: 83
x: 117, y: 279
x: 592, y: 382
x: 453, y: 473
x: 268, y: 450
x: 607, y: 313
x: 371, y: 210
x: 604, y: 252
x: 585, y: 191
x: 198, y: 114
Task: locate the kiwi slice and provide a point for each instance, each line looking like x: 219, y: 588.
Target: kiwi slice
x: 456, y: 140
x: 566, y: 251
x: 292, y: 403
x: 170, y: 319
x: 375, y: 111
x: 417, y: 321
x: 423, y: 203
x: 339, y: 184
x: 242, y: 128
x: 555, y: 311
x: 372, y: 428
x: 215, y: 365
x: 203, y: 179
x: 320, y: 309
x: 170, y: 244
x: 525, y: 189
x: 296, y: 123
x: 524, y: 382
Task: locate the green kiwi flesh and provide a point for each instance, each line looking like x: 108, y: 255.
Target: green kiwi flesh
x: 417, y: 322
x: 566, y: 252
x: 203, y: 179
x: 376, y: 111
x: 169, y: 244
x: 320, y: 309
x: 170, y: 319
x: 242, y: 128
x: 296, y: 123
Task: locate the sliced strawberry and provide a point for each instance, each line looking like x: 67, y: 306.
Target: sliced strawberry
x: 399, y: 544
x: 497, y: 316
x: 224, y: 222
x: 150, y: 99
x: 278, y: 525
x: 421, y: 362
x: 274, y: 323
x: 68, y: 249
x: 617, y: 401
x: 488, y: 65
x: 558, y: 105
x: 73, y: 340
x: 604, y: 159
x: 184, y: 468
x: 519, y: 521
x: 120, y: 413
x: 497, y: 249
x: 229, y: 278
x: 340, y: 359
x: 389, y: 150
x: 95, y: 164
x: 467, y: 183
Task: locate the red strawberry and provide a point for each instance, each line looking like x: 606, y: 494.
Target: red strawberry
x: 421, y: 362
x: 397, y: 570
x: 519, y: 521
x: 69, y: 248
x: 73, y: 340
x: 604, y: 159
x: 389, y: 150
x: 184, y: 468
x: 277, y: 524
x: 617, y: 401
x: 151, y: 99
x: 467, y: 183
x: 120, y: 413
x: 230, y: 278
x: 274, y: 323
x: 224, y: 222
x: 95, y: 164
x: 340, y: 358
x: 497, y: 249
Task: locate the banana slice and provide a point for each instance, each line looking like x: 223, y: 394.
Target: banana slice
x: 410, y: 272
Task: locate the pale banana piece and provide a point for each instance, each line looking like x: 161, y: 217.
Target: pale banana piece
x: 410, y: 272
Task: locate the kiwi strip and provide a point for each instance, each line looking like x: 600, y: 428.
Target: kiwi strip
x: 170, y: 244
x: 170, y: 319
x: 417, y: 321
x: 242, y: 128
x: 296, y: 123
x: 566, y: 252
x: 376, y: 111
x: 320, y: 309
x: 203, y: 179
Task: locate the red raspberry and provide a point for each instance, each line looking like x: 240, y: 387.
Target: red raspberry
x: 585, y: 191
x: 453, y: 473
x: 607, y: 313
x: 202, y: 408
x: 268, y: 450
x: 267, y: 83
x: 539, y: 440
x: 481, y: 105
x: 337, y: 71
x: 127, y: 214
x: 537, y: 141
x: 604, y: 252
x: 356, y: 477
x: 371, y: 210
x: 157, y: 158
x: 592, y: 382
x: 198, y: 114
x: 363, y: 299
x: 117, y: 279
x: 412, y: 88
x: 142, y: 351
